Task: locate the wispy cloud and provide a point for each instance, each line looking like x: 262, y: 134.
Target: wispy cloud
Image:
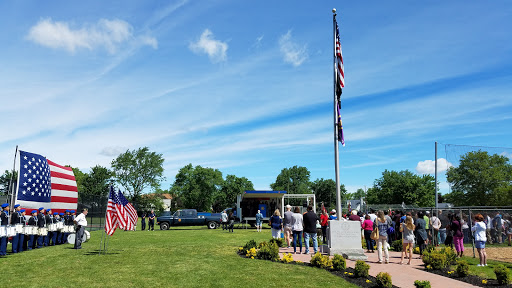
x: 107, y: 34
x: 293, y: 53
x: 207, y: 44
x: 428, y: 166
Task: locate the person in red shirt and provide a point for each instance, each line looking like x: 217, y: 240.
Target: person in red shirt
x: 368, y: 228
x: 324, y: 220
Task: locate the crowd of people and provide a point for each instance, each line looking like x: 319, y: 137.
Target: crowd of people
x: 38, y: 228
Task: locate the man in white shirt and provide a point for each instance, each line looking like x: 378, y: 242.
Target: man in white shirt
x: 224, y: 219
x: 81, y: 223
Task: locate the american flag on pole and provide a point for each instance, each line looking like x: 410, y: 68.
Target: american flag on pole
x: 111, y: 217
x: 43, y: 183
x: 120, y: 213
x: 340, y: 75
x: 340, y: 126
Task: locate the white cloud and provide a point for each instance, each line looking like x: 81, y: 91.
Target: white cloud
x: 108, y: 34
x: 215, y: 49
x: 428, y: 166
x: 113, y: 151
x: 293, y: 53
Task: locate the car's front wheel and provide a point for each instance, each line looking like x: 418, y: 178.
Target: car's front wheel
x: 212, y: 225
x: 164, y: 226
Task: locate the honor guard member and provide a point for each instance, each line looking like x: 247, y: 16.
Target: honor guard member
x: 68, y: 220
x: 32, y: 222
x: 21, y: 236
x: 41, y: 223
x: 15, y: 219
x: 54, y: 233
x: 143, y: 220
x: 49, y: 220
x: 4, y: 220
x: 151, y: 222
x: 60, y: 234
x: 81, y: 223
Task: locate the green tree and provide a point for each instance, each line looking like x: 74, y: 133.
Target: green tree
x: 137, y: 170
x: 97, y: 182
x: 5, y: 179
x: 150, y: 201
x: 480, y: 180
x: 294, y: 180
x: 356, y: 195
x: 231, y: 187
x: 404, y: 186
x: 196, y: 186
x: 325, y: 191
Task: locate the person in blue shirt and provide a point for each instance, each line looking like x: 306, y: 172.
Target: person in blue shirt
x: 143, y: 220
x: 333, y: 215
x: 259, y: 218
x: 4, y: 220
x: 151, y: 222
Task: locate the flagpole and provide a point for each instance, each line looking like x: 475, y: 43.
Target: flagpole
x: 336, y: 156
x: 10, y: 181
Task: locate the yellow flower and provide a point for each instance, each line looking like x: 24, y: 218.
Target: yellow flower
x: 368, y: 281
x: 484, y: 281
x: 252, y: 257
x: 350, y: 274
x: 346, y: 272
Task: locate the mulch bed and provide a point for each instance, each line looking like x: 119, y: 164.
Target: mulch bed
x: 471, y: 279
x: 356, y: 280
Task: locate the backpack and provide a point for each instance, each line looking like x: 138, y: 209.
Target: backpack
x: 391, y: 230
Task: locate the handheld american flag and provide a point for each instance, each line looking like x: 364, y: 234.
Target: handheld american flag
x: 42, y: 182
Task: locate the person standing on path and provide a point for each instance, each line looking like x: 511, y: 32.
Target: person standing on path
x: 81, y: 223
x: 383, y: 226
x: 407, y: 230
x: 421, y: 232
x: 297, y: 227
x: 368, y: 228
x: 324, y: 221
x: 151, y: 221
x: 287, y: 224
x: 480, y: 229
x: 259, y: 220
x: 310, y: 219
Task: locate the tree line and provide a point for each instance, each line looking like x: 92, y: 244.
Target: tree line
x: 479, y: 180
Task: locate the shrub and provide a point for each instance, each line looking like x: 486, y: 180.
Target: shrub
x: 287, y: 258
x: 251, y: 253
x: 384, y: 280
x: 321, y: 261
x: 435, y: 260
x: 262, y: 244
x: 339, y: 263
x: 462, y: 268
x: 396, y: 245
x: 278, y: 241
x: 430, y: 248
x: 250, y: 244
x: 363, y: 243
x: 268, y: 252
x: 422, y: 284
x: 416, y: 250
x: 361, y: 269
x: 451, y: 256
x: 502, y: 274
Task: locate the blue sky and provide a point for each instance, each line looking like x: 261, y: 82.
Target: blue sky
x: 246, y: 87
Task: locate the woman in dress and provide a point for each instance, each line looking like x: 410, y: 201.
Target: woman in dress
x: 407, y: 230
x: 297, y: 228
x: 276, y: 223
x: 383, y: 226
x: 479, y: 229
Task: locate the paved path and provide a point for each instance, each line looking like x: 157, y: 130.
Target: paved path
x: 401, y: 275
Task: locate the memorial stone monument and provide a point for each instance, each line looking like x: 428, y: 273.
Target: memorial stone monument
x: 345, y: 239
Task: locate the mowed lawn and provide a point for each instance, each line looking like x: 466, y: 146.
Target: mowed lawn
x: 179, y: 257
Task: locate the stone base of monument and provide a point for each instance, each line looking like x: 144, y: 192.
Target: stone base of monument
x: 345, y: 239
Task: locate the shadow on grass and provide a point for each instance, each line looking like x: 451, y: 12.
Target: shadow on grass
x: 97, y: 252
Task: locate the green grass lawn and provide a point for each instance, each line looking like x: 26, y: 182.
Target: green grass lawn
x: 486, y: 272
x: 180, y: 257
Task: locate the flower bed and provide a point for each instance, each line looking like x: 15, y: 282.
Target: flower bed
x: 471, y: 279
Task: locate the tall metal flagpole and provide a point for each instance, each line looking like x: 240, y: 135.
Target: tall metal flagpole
x: 336, y: 160
x: 11, y: 192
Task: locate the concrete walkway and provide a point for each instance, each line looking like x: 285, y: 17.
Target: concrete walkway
x: 401, y: 275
